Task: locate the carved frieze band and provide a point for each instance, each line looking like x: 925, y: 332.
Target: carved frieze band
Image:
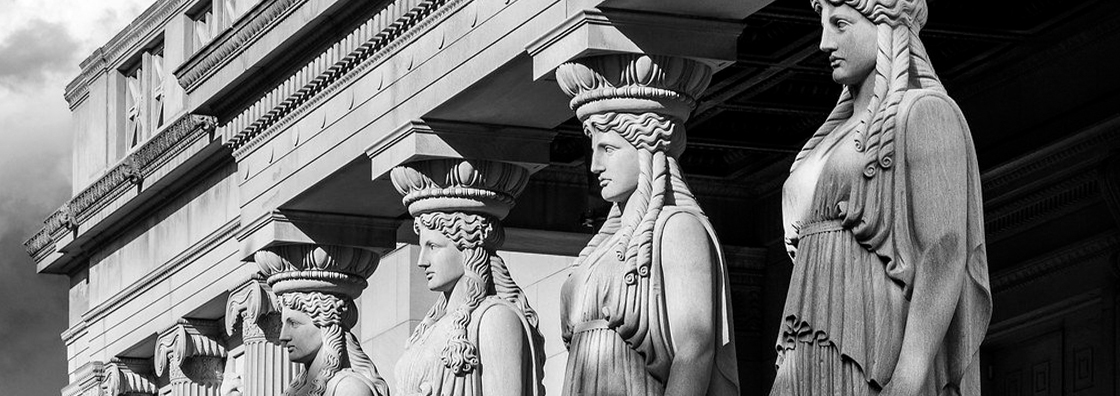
x: 129, y: 377
x: 227, y: 46
x: 380, y: 36
x: 123, y: 44
x: 190, y: 338
x: 132, y: 169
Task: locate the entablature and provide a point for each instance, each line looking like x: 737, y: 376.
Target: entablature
x: 149, y: 170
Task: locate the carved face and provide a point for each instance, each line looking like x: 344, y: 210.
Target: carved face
x: 615, y: 161
x: 851, y: 41
x: 300, y: 336
x: 440, y: 259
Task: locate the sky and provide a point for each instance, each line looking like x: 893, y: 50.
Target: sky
x: 41, y: 44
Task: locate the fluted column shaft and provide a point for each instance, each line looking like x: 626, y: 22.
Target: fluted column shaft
x: 267, y: 368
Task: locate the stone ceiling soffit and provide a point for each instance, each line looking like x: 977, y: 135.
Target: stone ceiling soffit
x: 594, y: 32
x: 286, y: 227
x: 418, y: 140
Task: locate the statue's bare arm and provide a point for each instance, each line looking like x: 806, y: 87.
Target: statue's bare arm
x: 353, y: 387
x: 938, y: 179
x: 503, y: 352
x: 688, y: 266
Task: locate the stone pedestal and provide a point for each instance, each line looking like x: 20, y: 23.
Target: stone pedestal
x: 193, y: 356
x: 267, y: 368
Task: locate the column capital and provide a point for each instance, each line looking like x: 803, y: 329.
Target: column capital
x: 87, y: 380
x: 303, y: 267
x: 128, y: 376
x: 460, y: 185
x: 634, y: 83
x: 249, y: 304
x: 190, y: 338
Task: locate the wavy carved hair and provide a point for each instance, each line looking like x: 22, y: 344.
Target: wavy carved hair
x: 334, y: 316
x: 902, y: 63
x: 660, y: 140
x: 485, y: 274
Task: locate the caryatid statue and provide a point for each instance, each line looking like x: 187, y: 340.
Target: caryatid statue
x: 646, y: 310
x: 883, y: 219
x: 480, y: 337
x: 316, y: 286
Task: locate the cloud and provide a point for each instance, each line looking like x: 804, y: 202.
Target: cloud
x: 32, y: 53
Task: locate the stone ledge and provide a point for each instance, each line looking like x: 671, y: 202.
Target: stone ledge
x: 131, y: 171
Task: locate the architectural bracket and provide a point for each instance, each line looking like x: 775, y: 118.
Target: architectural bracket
x: 429, y: 139
x: 596, y: 32
x: 285, y: 227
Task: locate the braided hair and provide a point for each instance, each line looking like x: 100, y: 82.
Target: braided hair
x: 485, y: 273
x: 334, y: 316
x: 660, y: 140
x: 902, y: 63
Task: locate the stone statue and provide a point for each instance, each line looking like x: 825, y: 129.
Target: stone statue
x: 646, y: 308
x: 316, y: 286
x: 480, y: 337
x: 883, y: 220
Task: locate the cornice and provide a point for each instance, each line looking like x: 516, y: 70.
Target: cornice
x: 232, y: 42
x: 142, y: 29
x: 1062, y: 259
x: 335, y: 67
x: 131, y: 170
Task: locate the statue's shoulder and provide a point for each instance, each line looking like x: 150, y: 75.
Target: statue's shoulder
x: 347, y: 382
x: 929, y: 119
x: 926, y: 102
x: 496, y: 312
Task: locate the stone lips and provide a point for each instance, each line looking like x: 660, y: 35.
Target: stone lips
x: 481, y: 187
x: 339, y: 270
x: 633, y: 84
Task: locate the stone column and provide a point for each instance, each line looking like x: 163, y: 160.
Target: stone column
x: 192, y: 355
x: 267, y: 368
x: 129, y: 377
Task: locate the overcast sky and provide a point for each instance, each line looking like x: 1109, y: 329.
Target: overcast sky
x: 41, y: 44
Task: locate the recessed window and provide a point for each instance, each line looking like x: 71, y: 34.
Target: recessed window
x: 205, y: 26
x: 143, y: 97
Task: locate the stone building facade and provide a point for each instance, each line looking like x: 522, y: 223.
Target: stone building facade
x: 208, y: 130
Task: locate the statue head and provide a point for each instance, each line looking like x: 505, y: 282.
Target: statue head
x: 854, y: 31
x: 316, y: 287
